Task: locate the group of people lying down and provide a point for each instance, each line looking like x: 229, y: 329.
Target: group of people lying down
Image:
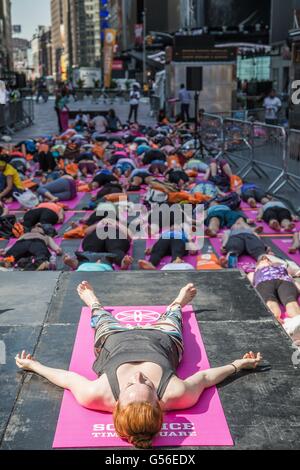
x: 136, y: 367
x: 152, y: 166
x: 138, y: 379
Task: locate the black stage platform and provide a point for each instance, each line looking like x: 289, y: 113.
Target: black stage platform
x: 39, y: 312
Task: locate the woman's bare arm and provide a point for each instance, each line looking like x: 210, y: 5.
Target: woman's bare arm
x: 196, y: 384
x: 82, y: 388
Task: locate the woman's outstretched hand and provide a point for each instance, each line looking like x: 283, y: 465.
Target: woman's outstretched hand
x: 25, y: 361
x: 249, y: 361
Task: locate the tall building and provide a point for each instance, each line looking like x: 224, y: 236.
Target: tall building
x: 41, y: 48
x: 6, y: 62
x: 57, y: 32
x: 21, y: 56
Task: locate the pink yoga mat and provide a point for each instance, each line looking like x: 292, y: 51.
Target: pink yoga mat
x: 284, y: 244
x: 203, y: 425
x: 14, y: 206
x: 253, y: 213
x: 68, y: 216
x: 245, y: 262
x: 168, y: 259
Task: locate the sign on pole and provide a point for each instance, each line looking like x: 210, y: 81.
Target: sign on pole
x: 110, y: 36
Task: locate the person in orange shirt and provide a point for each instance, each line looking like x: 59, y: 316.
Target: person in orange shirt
x: 44, y: 213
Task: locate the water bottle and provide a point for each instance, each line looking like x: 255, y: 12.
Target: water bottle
x: 233, y: 261
x: 52, y: 261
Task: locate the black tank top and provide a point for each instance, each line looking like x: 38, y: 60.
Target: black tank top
x: 137, y: 346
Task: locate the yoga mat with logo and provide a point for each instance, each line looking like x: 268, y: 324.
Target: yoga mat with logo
x: 203, y: 425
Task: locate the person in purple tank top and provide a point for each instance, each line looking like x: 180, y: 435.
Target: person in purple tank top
x: 276, y: 285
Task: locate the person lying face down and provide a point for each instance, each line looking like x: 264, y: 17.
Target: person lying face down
x: 137, y: 381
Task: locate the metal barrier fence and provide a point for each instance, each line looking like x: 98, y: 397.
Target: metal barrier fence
x: 16, y: 115
x: 155, y: 105
x: 268, y: 151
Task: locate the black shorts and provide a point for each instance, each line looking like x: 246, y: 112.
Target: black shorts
x: 277, y: 290
x: 255, y: 193
x: 277, y: 213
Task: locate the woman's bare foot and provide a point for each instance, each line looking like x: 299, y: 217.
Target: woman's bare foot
x: 293, y: 249
x: 126, y: 262
x: 275, y: 225
x: 224, y: 262
x: 71, y: 262
x: 210, y: 233
x: 186, y: 295
x: 44, y: 266
x: 146, y: 265
x: 178, y: 261
x: 259, y: 230
x: 87, y: 294
x: 252, y: 203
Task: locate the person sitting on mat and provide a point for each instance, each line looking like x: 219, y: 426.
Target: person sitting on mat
x: 35, y: 245
x: 241, y: 240
x: 137, y: 370
x: 296, y: 243
x: 277, y: 216
x: 10, y: 180
x: 45, y: 213
x: 220, y: 216
x: 276, y: 285
x: 253, y: 195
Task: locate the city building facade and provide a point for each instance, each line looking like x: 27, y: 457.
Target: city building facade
x: 6, y: 57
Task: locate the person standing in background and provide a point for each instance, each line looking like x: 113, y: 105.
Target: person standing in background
x: 134, y: 102
x: 185, y: 99
x: 272, y: 105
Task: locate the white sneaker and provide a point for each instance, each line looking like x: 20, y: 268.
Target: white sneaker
x: 292, y: 327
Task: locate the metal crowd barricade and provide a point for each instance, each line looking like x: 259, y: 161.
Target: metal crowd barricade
x: 16, y: 115
x: 238, y: 145
x: 211, y: 133
x: 290, y: 174
x: 154, y: 105
x: 269, y: 150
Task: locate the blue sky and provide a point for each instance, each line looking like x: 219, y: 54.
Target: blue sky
x: 30, y: 14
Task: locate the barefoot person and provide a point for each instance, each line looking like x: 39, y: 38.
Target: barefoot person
x: 276, y: 285
x: 277, y: 215
x: 296, y: 243
x: 137, y: 370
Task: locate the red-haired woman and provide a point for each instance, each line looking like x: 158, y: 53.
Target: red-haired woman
x: 137, y: 370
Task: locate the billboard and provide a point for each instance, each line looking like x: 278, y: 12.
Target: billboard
x: 220, y: 13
